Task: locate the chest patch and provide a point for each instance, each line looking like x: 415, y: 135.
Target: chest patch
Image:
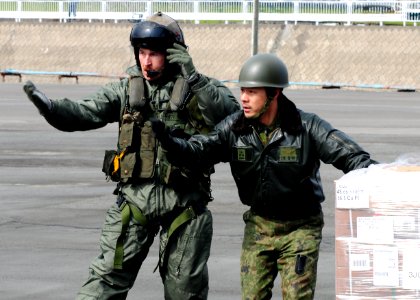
x: 289, y: 154
x: 242, y: 154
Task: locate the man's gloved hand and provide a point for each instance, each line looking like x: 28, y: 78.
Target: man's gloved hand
x: 159, y: 128
x: 177, y: 147
x: 162, y: 134
x: 166, y: 139
x: 179, y: 54
x: 41, y: 101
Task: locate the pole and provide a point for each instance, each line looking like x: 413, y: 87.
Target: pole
x: 255, y: 28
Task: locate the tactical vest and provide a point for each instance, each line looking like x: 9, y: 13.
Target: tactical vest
x: 139, y: 156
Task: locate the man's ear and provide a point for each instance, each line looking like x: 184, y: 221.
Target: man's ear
x: 278, y: 92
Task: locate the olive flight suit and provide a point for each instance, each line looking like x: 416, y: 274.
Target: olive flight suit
x: 151, y: 193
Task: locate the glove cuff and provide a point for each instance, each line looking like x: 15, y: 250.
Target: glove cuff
x: 194, y: 78
x: 45, y: 106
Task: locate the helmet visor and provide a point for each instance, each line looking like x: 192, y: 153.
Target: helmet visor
x: 151, y: 35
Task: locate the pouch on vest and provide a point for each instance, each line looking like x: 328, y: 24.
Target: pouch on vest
x: 166, y: 168
x: 125, y: 162
x: 108, y: 165
x: 147, y: 151
x: 126, y: 132
x: 127, y: 165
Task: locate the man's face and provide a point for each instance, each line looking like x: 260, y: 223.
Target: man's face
x: 253, y: 101
x: 152, y: 63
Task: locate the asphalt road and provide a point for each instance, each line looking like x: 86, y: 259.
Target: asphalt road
x: 54, y: 195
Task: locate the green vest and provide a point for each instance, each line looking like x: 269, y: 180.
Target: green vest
x: 139, y: 156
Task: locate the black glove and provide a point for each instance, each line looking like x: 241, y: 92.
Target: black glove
x: 41, y: 101
x: 159, y: 128
x: 168, y: 141
x: 174, y: 142
x: 162, y: 133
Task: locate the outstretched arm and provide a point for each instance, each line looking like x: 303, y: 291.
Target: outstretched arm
x: 91, y: 112
x: 337, y: 148
x: 197, y: 152
x: 38, y: 98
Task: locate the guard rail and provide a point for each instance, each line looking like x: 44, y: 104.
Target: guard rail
x: 335, y: 11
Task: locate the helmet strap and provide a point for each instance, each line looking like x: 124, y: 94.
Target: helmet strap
x: 265, y: 107
x: 136, y: 56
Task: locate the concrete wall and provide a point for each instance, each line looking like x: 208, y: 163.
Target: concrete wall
x: 355, y: 55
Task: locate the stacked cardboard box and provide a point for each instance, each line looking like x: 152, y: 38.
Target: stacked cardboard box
x: 377, y: 226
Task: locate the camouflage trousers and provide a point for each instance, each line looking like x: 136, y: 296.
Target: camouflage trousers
x: 290, y: 248
x: 184, y: 273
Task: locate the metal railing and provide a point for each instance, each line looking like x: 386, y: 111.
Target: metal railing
x: 338, y: 11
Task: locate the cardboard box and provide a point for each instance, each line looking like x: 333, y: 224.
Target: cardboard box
x: 378, y: 225
x: 378, y: 270
x: 378, y: 233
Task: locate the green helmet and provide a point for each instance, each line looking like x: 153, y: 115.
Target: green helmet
x: 157, y: 32
x: 264, y: 70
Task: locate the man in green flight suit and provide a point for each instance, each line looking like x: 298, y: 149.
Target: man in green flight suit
x: 152, y: 194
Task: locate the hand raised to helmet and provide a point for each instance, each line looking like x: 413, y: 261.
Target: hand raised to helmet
x: 41, y: 101
x: 179, y: 55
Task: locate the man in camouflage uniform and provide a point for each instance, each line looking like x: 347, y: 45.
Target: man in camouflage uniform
x: 274, y: 150
x: 152, y: 193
